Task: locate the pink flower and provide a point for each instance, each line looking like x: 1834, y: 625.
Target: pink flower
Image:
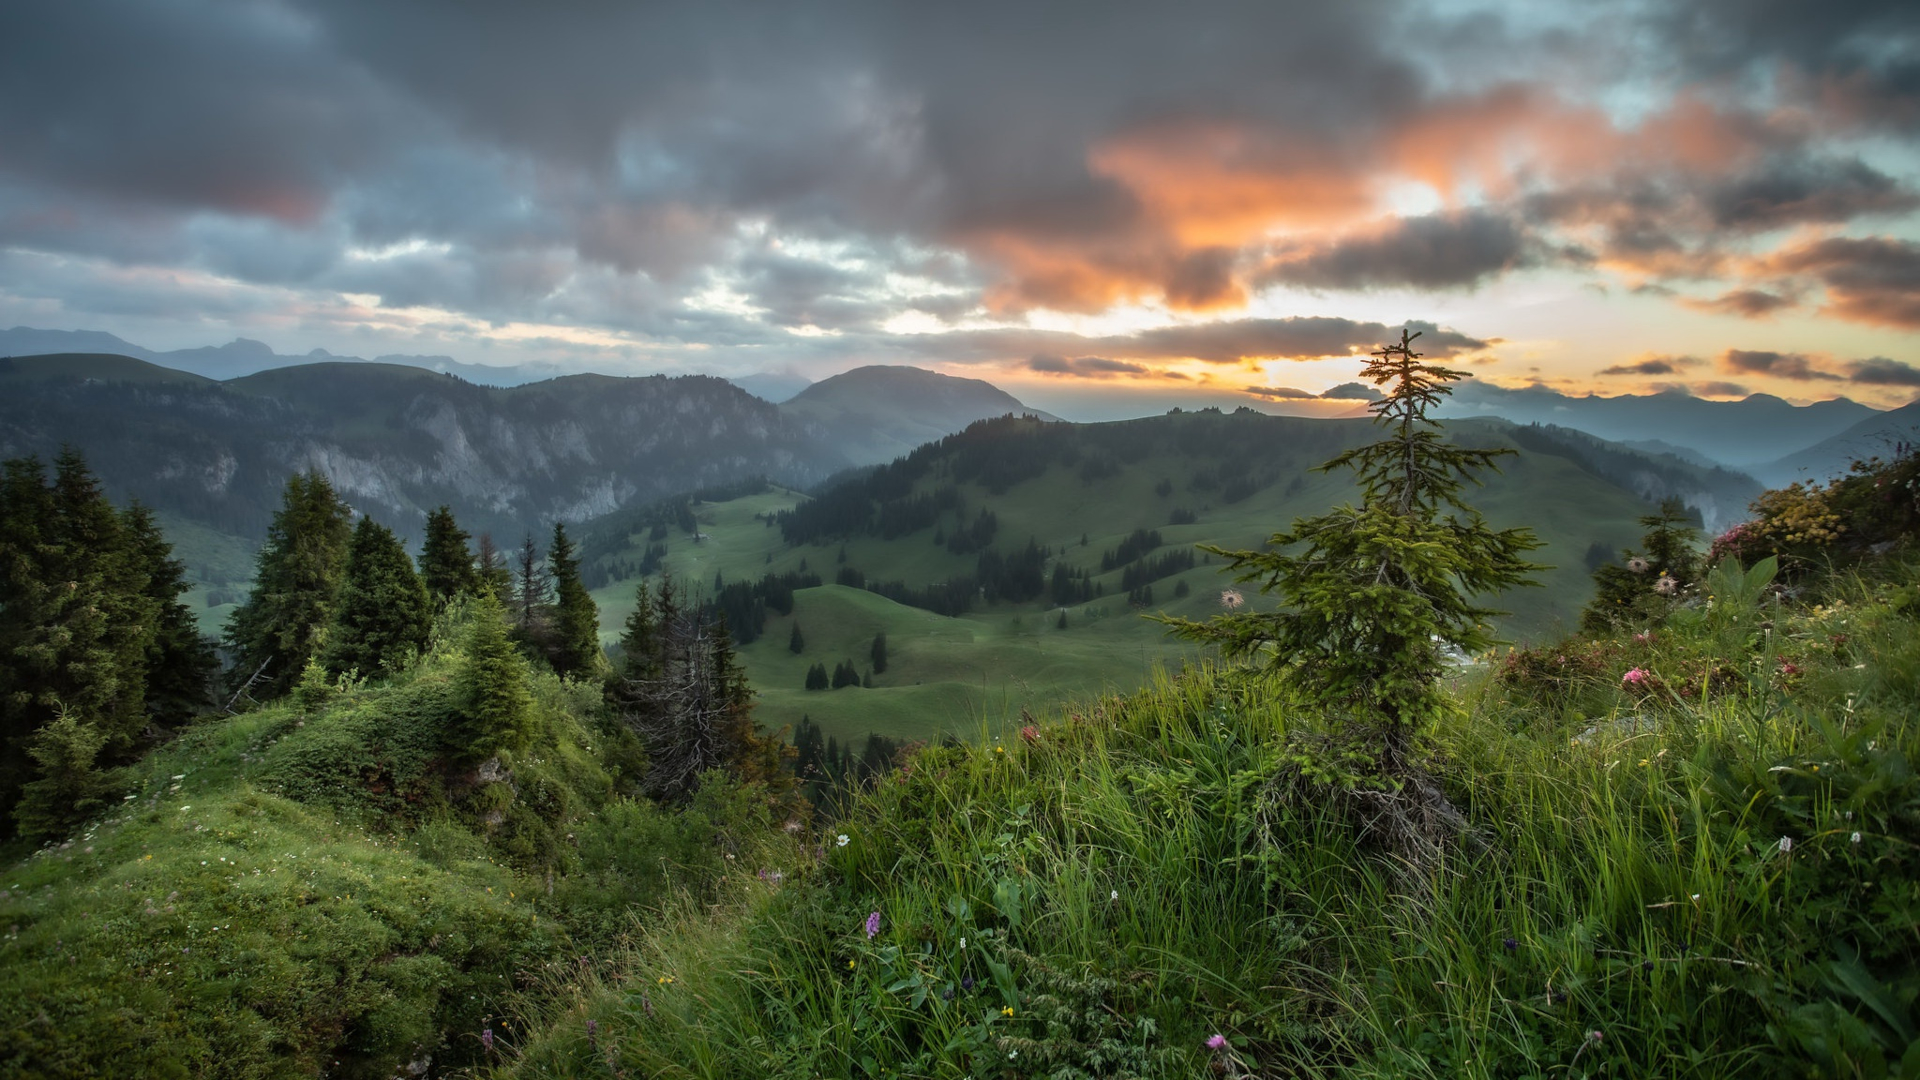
x: 1636, y: 677
x: 1666, y: 586
x: 1030, y: 733
x: 1643, y: 637
x: 1231, y: 599
x: 873, y: 925
x: 1216, y: 1042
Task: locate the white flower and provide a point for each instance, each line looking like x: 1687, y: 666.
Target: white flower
x: 1856, y: 838
x: 1786, y: 845
x: 1114, y: 895
x: 840, y: 841
x: 963, y: 941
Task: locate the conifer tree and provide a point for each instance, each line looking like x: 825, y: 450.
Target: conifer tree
x: 446, y: 566
x: 880, y: 653
x: 1372, y: 594
x: 296, y: 576
x: 1644, y: 586
x: 533, y: 589
x: 382, y: 613
x: 496, y: 709
x: 104, y: 622
x: 491, y: 570
x: 180, y: 661
x: 796, y: 641
x: 70, y: 788
x: 575, y: 649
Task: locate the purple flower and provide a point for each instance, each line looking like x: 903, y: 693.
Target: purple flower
x: 1216, y: 1041
x: 873, y: 925
x: 486, y: 1038
x: 1510, y: 943
x: 967, y: 983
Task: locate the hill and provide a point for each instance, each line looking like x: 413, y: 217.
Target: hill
x: 970, y: 552
x: 875, y: 414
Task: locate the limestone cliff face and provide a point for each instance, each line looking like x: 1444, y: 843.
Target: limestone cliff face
x: 399, y: 441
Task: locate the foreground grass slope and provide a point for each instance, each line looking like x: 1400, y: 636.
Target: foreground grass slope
x: 1708, y: 870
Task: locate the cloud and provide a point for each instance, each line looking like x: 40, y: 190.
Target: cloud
x: 1092, y: 367
x: 1352, y: 391
x: 1880, y: 371
x: 1657, y: 365
x: 1874, y: 280
x: 1280, y: 393
x: 1747, y: 303
x: 1434, y: 251
x: 1796, y: 366
x: 1798, y: 190
x: 1719, y: 389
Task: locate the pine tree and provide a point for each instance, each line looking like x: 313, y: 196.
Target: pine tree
x: 382, y: 614
x: 490, y: 569
x: 796, y: 641
x: 532, y: 591
x: 105, y: 622
x: 496, y: 709
x: 817, y: 677
x: 1643, y: 588
x: 180, y: 662
x: 879, y: 653
x: 575, y: 649
x: 1371, y: 594
x: 446, y: 566
x: 296, y: 576
x: 70, y: 788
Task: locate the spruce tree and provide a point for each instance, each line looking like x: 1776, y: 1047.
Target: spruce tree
x: 1371, y: 594
x: 576, y: 620
x: 70, y: 787
x: 880, y: 653
x: 446, y: 566
x: 490, y: 569
x: 1644, y: 587
x: 277, y: 630
x: 796, y: 641
x: 180, y: 661
x: 382, y: 614
x: 496, y: 709
x: 533, y: 589
x: 105, y: 621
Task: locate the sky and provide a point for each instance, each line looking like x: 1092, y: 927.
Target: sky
x: 1103, y: 207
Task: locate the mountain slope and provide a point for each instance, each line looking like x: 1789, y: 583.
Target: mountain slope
x: 875, y: 414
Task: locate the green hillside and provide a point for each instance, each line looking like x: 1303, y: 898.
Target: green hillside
x: 1079, y: 491
x: 95, y: 367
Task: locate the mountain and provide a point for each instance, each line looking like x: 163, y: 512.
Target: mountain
x: 875, y: 414
x: 1875, y: 436
x: 774, y: 386
x: 1737, y: 433
x: 397, y: 440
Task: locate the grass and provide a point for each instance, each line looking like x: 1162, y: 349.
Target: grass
x: 1657, y: 882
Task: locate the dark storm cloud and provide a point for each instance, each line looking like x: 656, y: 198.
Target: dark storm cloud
x: 1864, y: 53
x: 1658, y: 365
x: 1796, y: 366
x: 1436, y: 251
x: 1800, y: 190
x: 1880, y: 371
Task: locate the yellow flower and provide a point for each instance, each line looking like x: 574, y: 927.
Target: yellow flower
x: 1008, y: 1011
x: 849, y: 965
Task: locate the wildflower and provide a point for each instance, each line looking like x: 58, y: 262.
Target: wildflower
x: 1786, y: 845
x: 1643, y: 637
x: 850, y: 964
x: 967, y: 983
x: 1510, y: 943
x: 593, y: 1030
x: 963, y: 941
x: 1638, y: 565
x: 1216, y: 1041
x: 1635, y: 677
x: 1030, y: 733
x: 1788, y: 667
x: 840, y: 841
x: 664, y: 980
x: 1231, y: 599
x: 873, y: 925
x: 486, y: 1038
x: 1855, y: 838
x: 1006, y: 1010
x: 1114, y: 895
x: 1666, y: 586
x: 1595, y: 1037
x: 999, y: 749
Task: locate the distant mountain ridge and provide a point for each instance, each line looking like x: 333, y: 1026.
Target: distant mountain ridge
x: 244, y: 356
x: 1755, y: 429
x: 1875, y: 436
x: 398, y: 440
